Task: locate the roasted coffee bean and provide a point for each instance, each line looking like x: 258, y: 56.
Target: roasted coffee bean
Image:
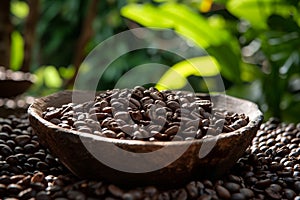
x: 14, y: 188
x: 109, y: 134
x: 4, y: 136
x: 114, y: 190
x: 232, y: 187
x: 56, y: 113
x: 172, y: 130
x: 222, y: 192
x: 247, y: 193
x: 238, y: 196
x: 5, y: 150
x: 288, y: 193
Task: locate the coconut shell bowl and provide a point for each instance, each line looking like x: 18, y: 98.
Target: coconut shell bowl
x: 13, y: 84
x: 137, y: 162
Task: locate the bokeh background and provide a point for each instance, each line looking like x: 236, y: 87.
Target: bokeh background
x: 254, y: 43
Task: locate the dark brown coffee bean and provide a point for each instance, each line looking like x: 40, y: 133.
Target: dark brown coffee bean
x: 114, y: 190
x: 109, y: 134
x: 159, y: 136
x: 235, y: 126
x: 4, y: 136
x: 102, y: 104
x: 138, y: 93
x: 55, y: 121
x: 223, y: 192
x: 150, y: 191
x: 206, y: 104
x: 42, y: 166
x: 42, y: 195
x: 297, y: 186
x: 263, y: 183
x: 53, y: 114
x: 12, y: 160
x: 205, y: 122
x: 26, y: 194
x: 85, y: 130
x: 288, y: 193
x: 272, y: 193
x: 207, y: 183
x: 205, y: 197
x: 108, y: 110
x: 156, y: 95
x: 146, y: 100
x: 172, y: 130
x: 71, y: 194
x: 38, y: 177
x: 238, y: 196
x: 136, y: 115
x: 192, y: 189
x: 14, y: 188
x: 247, y: 193
x: 173, y: 105
x: 127, y: 129
x: 5, y: 150
x: 232, y: 187
x: 136, y: 104
x: 137, y: 135
x: 2, y: 189
x: 122, y: 115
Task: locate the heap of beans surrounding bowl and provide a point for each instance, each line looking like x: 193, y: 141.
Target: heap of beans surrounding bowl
x: 269, y: 169
x: 146, y: 114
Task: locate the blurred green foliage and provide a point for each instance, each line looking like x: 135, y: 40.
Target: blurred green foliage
x: 254, y: 44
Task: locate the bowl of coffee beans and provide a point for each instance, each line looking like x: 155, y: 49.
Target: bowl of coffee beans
x: 143, y: 136
x: 14, y: 83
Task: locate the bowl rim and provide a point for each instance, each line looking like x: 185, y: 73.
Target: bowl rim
x: 255, y: 122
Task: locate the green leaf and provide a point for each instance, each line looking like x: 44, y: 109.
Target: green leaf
x: 175, y: 77
x: 52, y: 78
x: 19, y: 9
x: 229, y: 61
x: 217, y: 41
x: 146, y: 15
x: 17, y: 51
x: 67, y: 72
x: 257, y: 11
x: 179, y: 17
x: 250, y: 72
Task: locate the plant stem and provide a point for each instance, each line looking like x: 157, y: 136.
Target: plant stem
x: 86, y: 34
x: 5, y: 33
x: 29, y: 33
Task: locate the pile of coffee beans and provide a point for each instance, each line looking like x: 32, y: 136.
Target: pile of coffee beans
x: 269, y: 169
x: 146, y: 114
